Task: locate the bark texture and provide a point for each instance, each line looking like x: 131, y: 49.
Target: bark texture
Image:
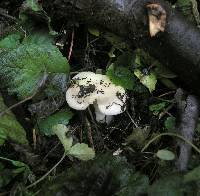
x: 178, y: 47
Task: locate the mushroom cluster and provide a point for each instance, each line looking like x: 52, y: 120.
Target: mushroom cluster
x: 89, y: 88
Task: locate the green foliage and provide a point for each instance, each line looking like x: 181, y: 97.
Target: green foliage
x: 121, y: 76
x: 171, y: 185
x: 138, y: 136
x: 10, y: 42
x: 94, y: 31
x: 147, y: 80
x: 106, y: 175
x: 193, y: 175
x: 6, y: 175
x: 170, y: 123
x: 165, y: 155
x: 64, y: 136
x: 32, y: 13
x: 61, y: 117
x: 119, y: 72
x: 157, y: 108
x: 80, y: 151
x: 24, y: 68
x: 10, y: 127
x: 32, y: 4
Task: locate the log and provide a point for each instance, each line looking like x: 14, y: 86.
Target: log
x: 178, y: 47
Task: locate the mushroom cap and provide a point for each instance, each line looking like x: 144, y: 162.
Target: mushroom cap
x: 88, y: 87
x: 113, y: 105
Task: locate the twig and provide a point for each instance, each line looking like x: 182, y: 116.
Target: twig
x: 71, y: 45
x: 34, y: 139
x: 167, y: 93
x: 170, y: 134
x: 166, y: 111
x: 41, y: 83
x: 89, y: 131
x: 132, y: 119
x: 45, y: 175
x: 4, y: 13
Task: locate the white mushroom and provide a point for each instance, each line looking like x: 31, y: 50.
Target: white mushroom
x: 90, y: 88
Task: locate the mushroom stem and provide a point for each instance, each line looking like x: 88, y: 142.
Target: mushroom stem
x: 100, y: 117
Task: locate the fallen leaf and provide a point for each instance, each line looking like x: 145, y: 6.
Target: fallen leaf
x: 157, y: 18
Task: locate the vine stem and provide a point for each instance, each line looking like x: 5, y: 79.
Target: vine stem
x: 170, y: 134
x: 45, y: 175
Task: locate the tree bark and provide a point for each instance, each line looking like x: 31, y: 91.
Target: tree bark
x: 178, y: 47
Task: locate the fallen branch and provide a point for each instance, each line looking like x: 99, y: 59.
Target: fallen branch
x: 177, y: 47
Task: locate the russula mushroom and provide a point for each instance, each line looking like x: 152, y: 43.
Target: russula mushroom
x: 89, y: 88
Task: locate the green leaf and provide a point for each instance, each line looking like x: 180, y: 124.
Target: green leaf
x: 193, y: 175
x: 24, y: 67
x: 82, y: 152
x: 32, y: 4
x: 119, y: 72
x: 170, y: 123
x: 115, y: 40
x: 165, y: 155
x: 10, y: 42
x: 94, y: 31
x: 147, y: 80
x: 105, y: 175
x: 61, y: 117
x: 10, y: 127
x: 138, y: 136
x: 169, y: 186
x: 31, y: 13
x: 157, y: 108
x: 162, y: 71
x: 63, y: 134
x: 137, y: 185
x: 121, y: 76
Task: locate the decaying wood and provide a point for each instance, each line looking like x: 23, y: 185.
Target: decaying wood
x: 177, y: 47
x: 188, y: 112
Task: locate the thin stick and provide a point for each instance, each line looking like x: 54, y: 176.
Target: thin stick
x: 170, y: 134
x: 132, y: 119
x: 71, y: 45
x: 45, y: 175
x: 41, y: 83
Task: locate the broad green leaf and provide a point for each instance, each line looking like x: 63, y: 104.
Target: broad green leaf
x: 162, y: 71
x: 120, y: 73
x: 138, y: 136
x: 170, y: 123
x: 10, y: 42
x: 82, y: 152
x: 33, y: 5
x: 63, y: 134
x: 61, y: 117
x: 105, y: 175
x: 24, y: 67
x: 165, y: 155
x: 10, y: 127
x: 121, y: 76
x: 171, y: 185
x: 193, y: 175
x: 94, y: 31
x: 147, y: 80
x: 157, y: 108
x: 137, y: 185
x: 168, y: 83
x: 31, y: 13
x: 115, y: 40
